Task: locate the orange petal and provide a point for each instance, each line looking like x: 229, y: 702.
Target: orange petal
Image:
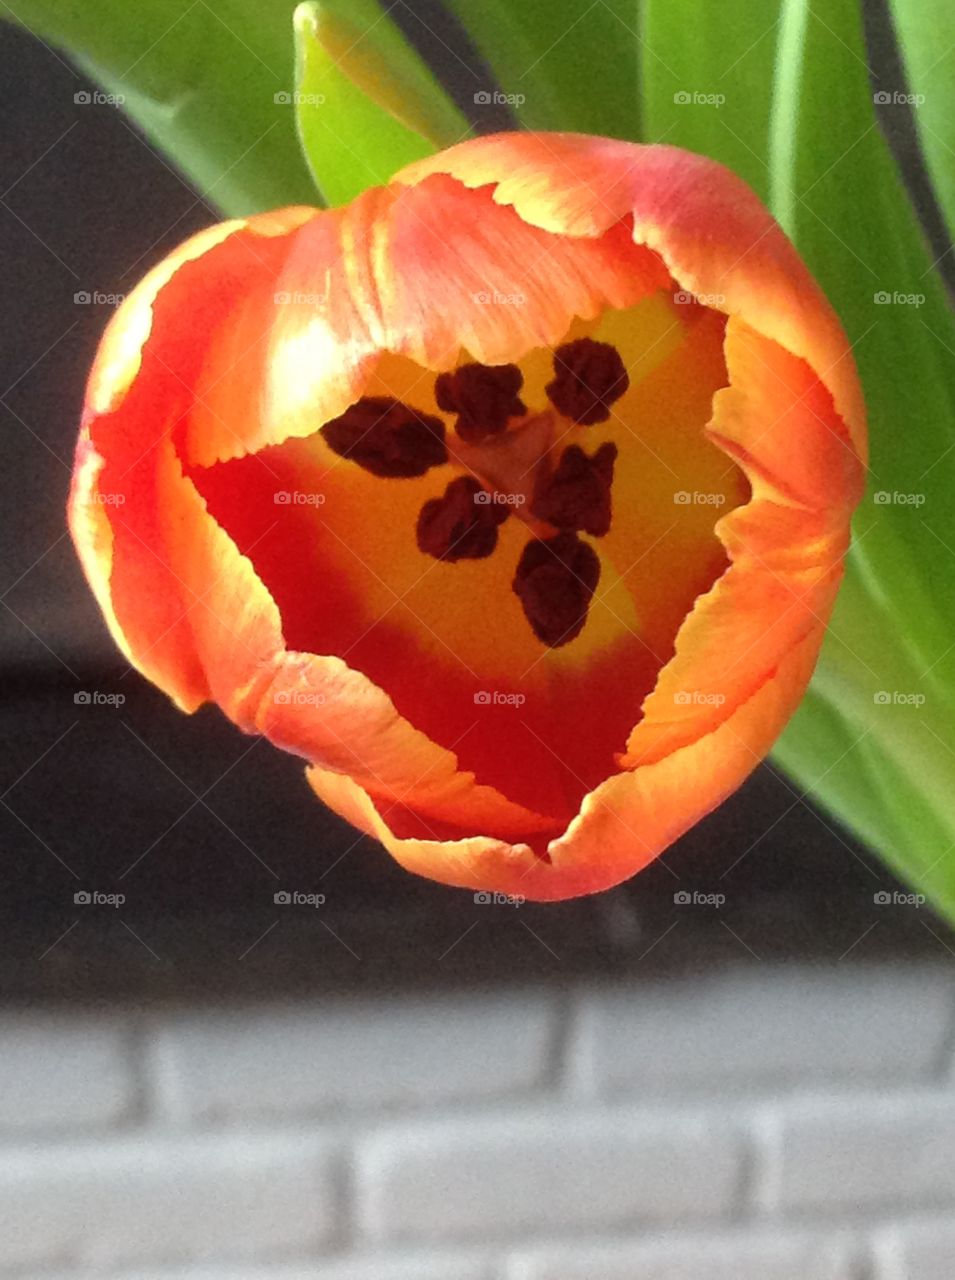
x: 622, y: 826
x: 446, y: 282
x: 255, y: 333
x: 716, y: 237
x: 191, y: 613
x: 786, y: 545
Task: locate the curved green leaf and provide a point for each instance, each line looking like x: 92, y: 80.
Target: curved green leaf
x: 888, y: 666
x: 203, y: 82
x: 926, y: 31
x: 711, y: 93
x: 365, y: 102
x: 559, y: 63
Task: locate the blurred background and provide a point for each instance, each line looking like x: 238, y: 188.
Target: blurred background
x: 737, y: 1066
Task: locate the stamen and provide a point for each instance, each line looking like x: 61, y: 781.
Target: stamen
x: 483, y: 396
x: 577, y: 495
x: 555, y: 582
x: 461, y: 525
x: 590, y: 377
x: 387, y: 438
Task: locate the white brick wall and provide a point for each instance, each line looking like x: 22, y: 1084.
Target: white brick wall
x: 847, y: 1155
x: 65, y: 1073
x: 743, y: 1256
x: 146, y: 1198
x: 416, y: 1266
x: 557, y: 1171
x: 303, y: 1060
x: 916, y: 1251
x: 742, y: 1030
x: 780, y: 1123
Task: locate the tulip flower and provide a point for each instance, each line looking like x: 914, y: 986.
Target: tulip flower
x: 512, y: 496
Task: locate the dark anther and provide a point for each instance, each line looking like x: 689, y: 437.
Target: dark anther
x: 461, y: 525
x: 387, y: 438
x: 590, y: 377
x: 577, y: 495
x: 555, y: 582
x: 483, y: 396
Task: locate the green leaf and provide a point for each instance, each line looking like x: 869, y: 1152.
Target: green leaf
x: 560, y: 64
x: 884, y: 764
x: 711, y: 93
x: 366, y: 103
x: 200, y: 81
x: 887, y: 672
x: 926, y: 31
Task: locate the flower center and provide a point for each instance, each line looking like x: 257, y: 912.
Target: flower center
x: 513, y: 462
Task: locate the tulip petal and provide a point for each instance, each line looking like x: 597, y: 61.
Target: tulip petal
x: 313, y: 624
x: 714, y: 235
x: 786, y: 545
x: 446, y: 285
x: 200, y: 623
x: 623, y: 825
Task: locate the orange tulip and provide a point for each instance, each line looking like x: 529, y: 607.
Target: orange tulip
x: 512, y: 496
